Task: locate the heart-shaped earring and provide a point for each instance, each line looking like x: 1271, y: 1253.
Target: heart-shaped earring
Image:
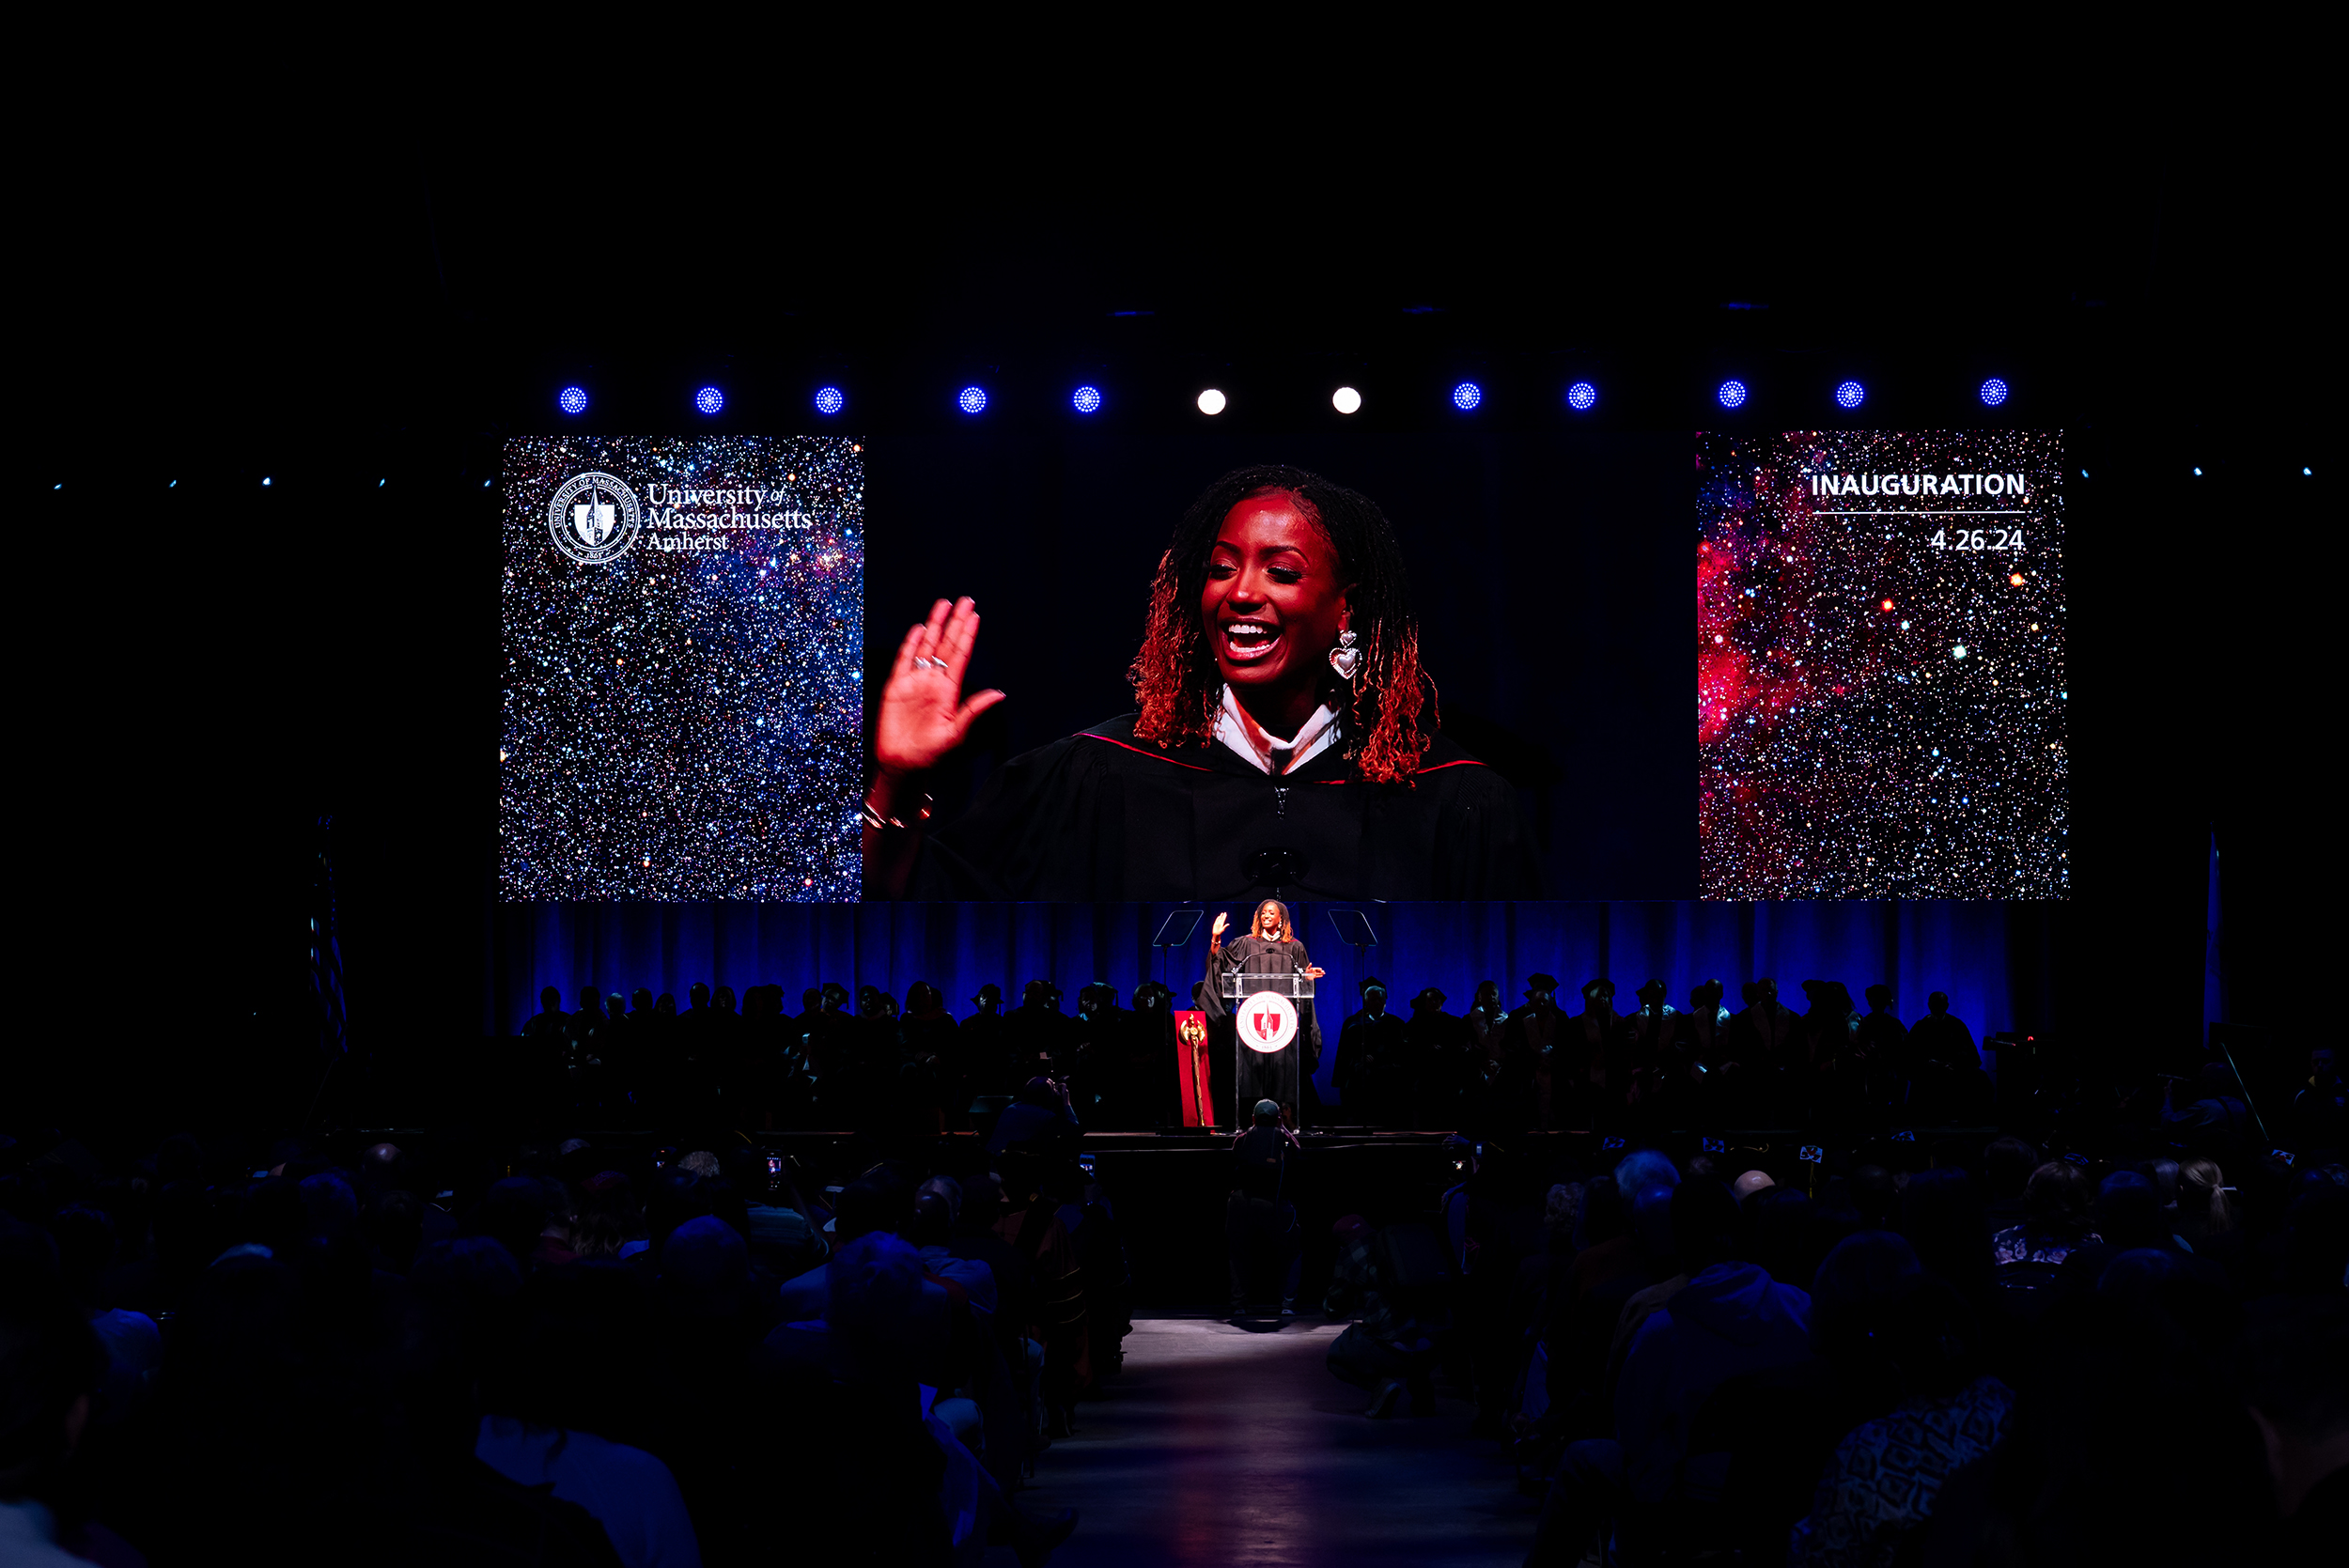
x: 1346, y: 658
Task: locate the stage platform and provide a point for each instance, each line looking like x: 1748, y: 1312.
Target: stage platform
x: 1170, y: 1188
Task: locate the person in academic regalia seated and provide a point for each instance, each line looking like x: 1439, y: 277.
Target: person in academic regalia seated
x: 986, y: 1042
x: 935, y: 1075
x: 1941, y: 1038
x: 1482, y: 1076
x: 1828, y: 1022
x: 1880, y: 1048
x: 1699, y: 1035
x: 1648, y: 1038
x: 1768, y: 1031
x: 1706, y: 1059
x: 1536, y: 1081
x: 1765, y: 1037
x: 1271, y: 950
x: 1150, y: 1044
x: 1648, y: 1032
x: 1594, y: 1041
x: 1819, y: 1072
x: 545, y: 1032
x: 1370, y: 1059
x: 1287, y: 735
x: 1436, y: 1051
x: 1101, y: 1032
x: 1040, y: 1041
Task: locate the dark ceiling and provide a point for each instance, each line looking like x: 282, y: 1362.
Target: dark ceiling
x: 282, y: 257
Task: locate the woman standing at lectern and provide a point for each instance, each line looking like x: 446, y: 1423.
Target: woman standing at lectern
x: 1267, y: 951
x: 1270, y: 949
x: 1287, y: 735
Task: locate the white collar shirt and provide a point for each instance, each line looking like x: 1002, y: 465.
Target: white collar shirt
x: 1260, y: 749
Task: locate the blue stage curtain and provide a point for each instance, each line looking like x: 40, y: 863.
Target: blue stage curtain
x: 1980, y: 953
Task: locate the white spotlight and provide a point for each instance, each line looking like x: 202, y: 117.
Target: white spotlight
x: 1347, y: 400
x: 1211, y: 401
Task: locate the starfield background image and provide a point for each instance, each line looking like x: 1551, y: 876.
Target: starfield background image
x: 682, y: 722
x: 1880, y: 665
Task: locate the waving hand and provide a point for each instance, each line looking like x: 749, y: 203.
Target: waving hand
x: 924, y: 714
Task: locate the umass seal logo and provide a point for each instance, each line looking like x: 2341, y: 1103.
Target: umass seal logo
x: 1267, y: 1021
x: 594, y: 519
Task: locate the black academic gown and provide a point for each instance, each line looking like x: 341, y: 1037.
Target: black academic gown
x: 1280, y: 1077
x: 1103, y: 815
x: 1369, y: 1065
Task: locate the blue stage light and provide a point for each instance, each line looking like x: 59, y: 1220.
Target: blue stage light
x: 709, y: 399
x: 1851, y: 394
x: 1993, y: 392
x: 829, y: 400
x: 973, y: 399
x: 1732, y: 393
x: 1086, y: 399
x: 1582, y: 397
x: 1467, y: 395
x: 573, y: 400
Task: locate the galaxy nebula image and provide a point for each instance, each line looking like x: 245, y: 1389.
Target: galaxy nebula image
x: 683, y: 645
x: 1880, y: 665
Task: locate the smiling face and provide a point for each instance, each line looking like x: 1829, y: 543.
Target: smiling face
x: 1273, y: 604
x: 1269, y: 921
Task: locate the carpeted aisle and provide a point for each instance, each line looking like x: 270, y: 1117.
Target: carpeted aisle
x: 1221, y: 1446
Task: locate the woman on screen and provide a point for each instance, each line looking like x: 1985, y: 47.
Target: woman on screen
x: 1286, y: 736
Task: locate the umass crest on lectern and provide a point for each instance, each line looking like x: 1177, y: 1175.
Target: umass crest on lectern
x: 1267, y: 1021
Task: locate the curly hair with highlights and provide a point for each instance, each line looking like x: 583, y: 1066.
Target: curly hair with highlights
x: 1386, y: 714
